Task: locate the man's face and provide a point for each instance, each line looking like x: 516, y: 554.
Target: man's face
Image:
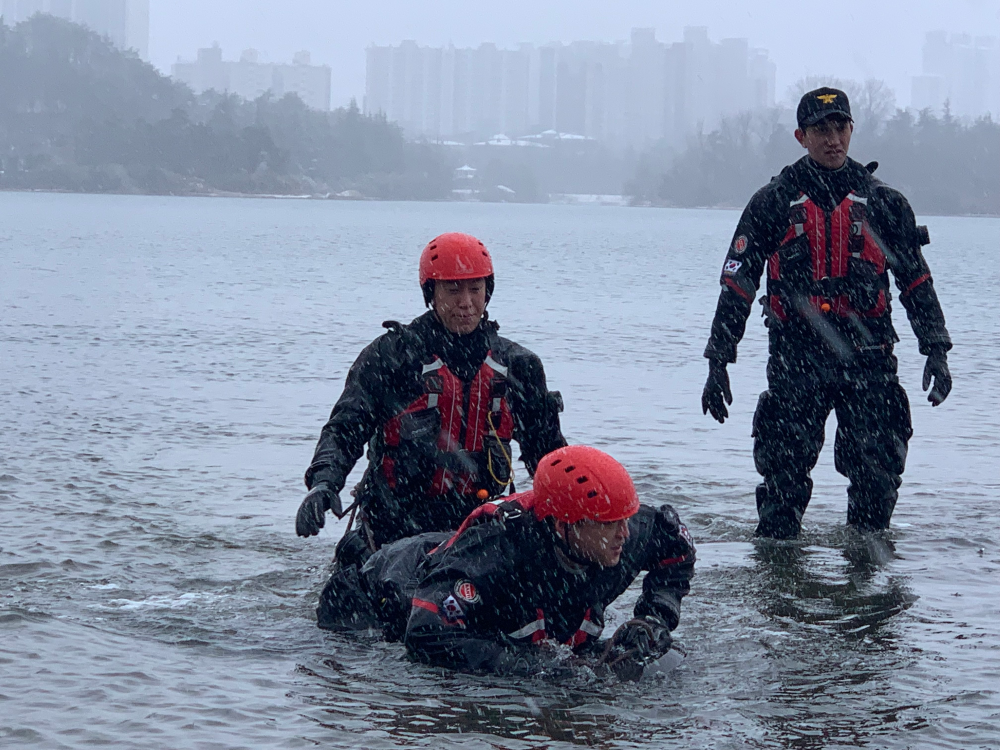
x: 827, y: 141
x: 600, y: 543
x: 460, y: 304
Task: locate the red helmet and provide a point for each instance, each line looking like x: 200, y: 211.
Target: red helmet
x: 578, y: 482
x: 452, y: 257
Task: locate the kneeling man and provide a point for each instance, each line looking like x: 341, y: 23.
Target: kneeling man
x: 523, y: 575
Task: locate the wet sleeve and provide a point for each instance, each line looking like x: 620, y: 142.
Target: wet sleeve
x: 669, y: 560
x: 895, y: 227
x: 756, y: 237
x: 438, y: 632
x: 354, y: 418
x: 535, y: 410
x: 450, y: 623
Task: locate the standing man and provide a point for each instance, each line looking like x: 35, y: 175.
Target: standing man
x: 438, y: 403
x: 828, y: 232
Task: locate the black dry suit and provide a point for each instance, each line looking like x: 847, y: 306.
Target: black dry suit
x: 438, y: 411
x: 827, y: 240
x: 497, y: 589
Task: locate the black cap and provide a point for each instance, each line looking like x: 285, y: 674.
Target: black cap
x: 821, y: 103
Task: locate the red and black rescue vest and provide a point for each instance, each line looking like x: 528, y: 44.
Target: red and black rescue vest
x: 469, y: 439
x: 828, y: 263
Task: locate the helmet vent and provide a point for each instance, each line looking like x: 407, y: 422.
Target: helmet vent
x: 592, y: 493
x: 568, y: 469
x: 434, y: 257
x: 557, y: 462
x: 582, y: 480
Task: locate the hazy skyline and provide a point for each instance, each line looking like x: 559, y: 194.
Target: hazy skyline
x: 880, y: 38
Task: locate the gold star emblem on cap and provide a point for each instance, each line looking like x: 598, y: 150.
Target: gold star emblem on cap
x: 827, y: 98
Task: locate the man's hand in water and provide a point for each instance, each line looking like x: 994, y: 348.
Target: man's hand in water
x: 311, y: 516
x: 635, y: 644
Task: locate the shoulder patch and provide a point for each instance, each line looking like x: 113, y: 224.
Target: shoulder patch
x: 740, y: 244
x: 466, y: 591
x: 731, y: 267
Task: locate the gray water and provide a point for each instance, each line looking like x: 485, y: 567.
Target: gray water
x: 166, y: 365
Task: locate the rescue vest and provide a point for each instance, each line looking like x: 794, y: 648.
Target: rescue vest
x: 453, y: 438
x: 828, y: 263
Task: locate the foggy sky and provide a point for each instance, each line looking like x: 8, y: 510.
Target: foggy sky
x: 880, y: 38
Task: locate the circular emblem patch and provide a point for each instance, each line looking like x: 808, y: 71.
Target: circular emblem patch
x: 466, y: 591
x: 740, y: 244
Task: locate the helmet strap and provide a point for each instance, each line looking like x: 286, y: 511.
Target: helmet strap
x: 570, y: 560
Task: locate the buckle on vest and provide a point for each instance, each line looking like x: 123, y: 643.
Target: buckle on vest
x: 499, y: 392
x: 433, y: 384
x: 829, y: 288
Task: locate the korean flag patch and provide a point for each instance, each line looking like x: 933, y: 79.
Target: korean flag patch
x: 731, y: 267
x: 452, y: 609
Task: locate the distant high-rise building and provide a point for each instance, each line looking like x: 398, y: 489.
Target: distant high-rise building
x: 250, y: 78
x: 60, y: 8
x: 437, y: 93
x: 961, y: 72
x: 124, y: 22
x: 15, y: 11
x: 208, y: 72
x: 634, y: 92
x: 646, y: 90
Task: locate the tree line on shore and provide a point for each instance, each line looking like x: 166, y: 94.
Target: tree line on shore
x: 942, y: 164
x: 78, y: 114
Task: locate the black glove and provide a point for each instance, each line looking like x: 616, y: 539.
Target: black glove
x: 937, y: 368
x: 310, y: 518
x: 635, y: 644
x: 716, y: 389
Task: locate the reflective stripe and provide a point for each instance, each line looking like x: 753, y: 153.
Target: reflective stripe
x: 590, y: 628
x: 529, y: 629
x: 858, y: 199
x: 424, y: 604
x: 801, y: 200
x: 737, y: 288
x: 437, y: 364
x: 432, y: 400
x: 672, y: 561
x: 917, y: 283
x: 496, y: 366
x: 800, y: 229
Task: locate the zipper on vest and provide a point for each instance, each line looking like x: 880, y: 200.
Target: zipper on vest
x: 466, y: 396
x: 827, y: 219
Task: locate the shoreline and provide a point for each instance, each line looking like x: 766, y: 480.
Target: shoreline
x: 585, y: 200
